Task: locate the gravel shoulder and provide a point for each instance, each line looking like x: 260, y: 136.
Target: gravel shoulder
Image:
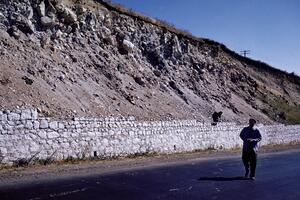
x: 12, y: 177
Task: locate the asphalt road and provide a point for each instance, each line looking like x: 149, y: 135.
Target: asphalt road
x: 278, y: 177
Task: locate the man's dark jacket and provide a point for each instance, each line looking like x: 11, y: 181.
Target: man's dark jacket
x: 250, y: 133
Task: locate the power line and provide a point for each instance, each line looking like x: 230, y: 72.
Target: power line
x: 245, y: 52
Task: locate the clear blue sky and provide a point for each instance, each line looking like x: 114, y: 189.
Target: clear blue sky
x: 269, y: 28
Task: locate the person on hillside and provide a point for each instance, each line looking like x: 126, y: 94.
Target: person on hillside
x: 250, y: 136
x: 216, y: 116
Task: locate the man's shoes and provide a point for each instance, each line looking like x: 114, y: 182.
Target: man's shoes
x: 252, y: 178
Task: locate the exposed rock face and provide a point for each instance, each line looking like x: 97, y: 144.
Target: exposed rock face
x: 47, y: 21
x: 69, y: 58
x: 128, y: 46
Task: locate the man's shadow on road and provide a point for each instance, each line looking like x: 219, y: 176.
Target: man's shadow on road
x: 237, y: 178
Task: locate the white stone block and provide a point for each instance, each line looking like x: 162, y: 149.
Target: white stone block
x: 44, y: 124
x: 22, y: 148
x: 136, y: 141
x: 59, y: 156
x: 14, y: 116
x: 29, y: 125
x: 34, y: 114
x: 11, y: 123
x: 78, y: 126
x: 49, y: 142
x: 74, y: 135
x: 42, y: 134
x: 52, y: 135
x: 3, y: 116
x: 8, y: 127
x: 36, y: 124
x: 105, y: 142
x: 61, y: 126
x: 65, y: 145
x: 3, y: 151
x: 34, y: 148
x: 53, y: 125
x: 26, y: 114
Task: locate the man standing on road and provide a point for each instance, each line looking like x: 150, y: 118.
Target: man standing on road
x: 251, y: 136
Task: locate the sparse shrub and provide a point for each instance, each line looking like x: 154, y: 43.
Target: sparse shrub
x: 23, y: 162
x: 1, y: 157
x: 280, y: 110
x: 49, y: 114
x: 71, y: 159
x: 144, y: 154
x: 46, y: 161
x: 211, y: 148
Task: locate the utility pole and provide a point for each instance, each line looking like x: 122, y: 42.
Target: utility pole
x: 245, y: 52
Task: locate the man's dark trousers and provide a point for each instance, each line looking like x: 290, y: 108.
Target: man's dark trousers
x: 249, y: 160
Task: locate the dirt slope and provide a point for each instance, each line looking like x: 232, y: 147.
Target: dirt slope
x: 90, y: 58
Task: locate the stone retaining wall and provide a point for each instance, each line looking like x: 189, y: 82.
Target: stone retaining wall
x: 25, y: 136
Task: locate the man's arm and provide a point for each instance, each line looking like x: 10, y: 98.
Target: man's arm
x: 243, y: 135
x: 257, y: 137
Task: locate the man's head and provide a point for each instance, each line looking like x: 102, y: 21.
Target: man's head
x: 252, y: 122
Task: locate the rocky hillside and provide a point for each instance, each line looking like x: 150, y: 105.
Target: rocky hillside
x: 88, y: 58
